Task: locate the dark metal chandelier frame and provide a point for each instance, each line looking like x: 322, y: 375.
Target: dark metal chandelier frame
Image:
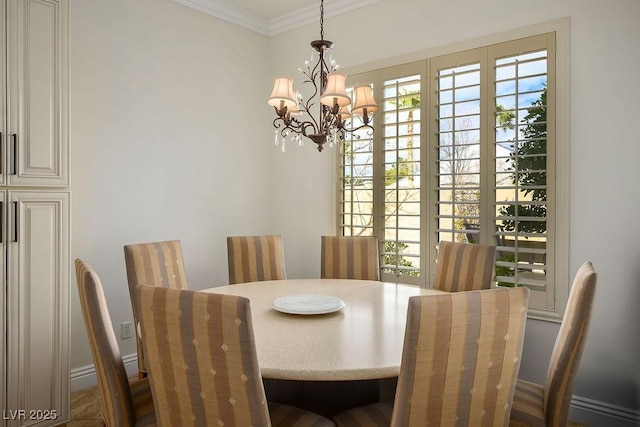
x: 334, y: 119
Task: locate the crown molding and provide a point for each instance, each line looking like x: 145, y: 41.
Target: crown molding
x: 229, y: 13
x: 282, y: 24
x: 310, y: 15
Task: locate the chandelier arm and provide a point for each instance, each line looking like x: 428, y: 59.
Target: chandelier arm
x: 309, y: 102
x: 284, y: 125
x: 295, y: 126
x: 310, y: 77
x: 329, y: 119
x: 306, y: 126
x: 302, y: 127
x: 355, y: 129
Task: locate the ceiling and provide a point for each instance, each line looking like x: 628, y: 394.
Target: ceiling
x: 273, y: 17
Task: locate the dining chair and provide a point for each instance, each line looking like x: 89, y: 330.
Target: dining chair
x: 350, y: 257
x: 157, y: 264
x: 464, y: 267
x: 537, y: 405
x: 123, y: 404
x: 255, y: 258
x: 460, y: 361
x: 203, y: 364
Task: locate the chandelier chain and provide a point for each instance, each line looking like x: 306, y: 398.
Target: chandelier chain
x: 322, y: 20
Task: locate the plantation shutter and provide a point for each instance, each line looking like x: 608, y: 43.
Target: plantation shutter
x: 524, y: 142
x: 457, y: 109
x: 464, y: 150
x: 355, y: 185
x: 402, y: 176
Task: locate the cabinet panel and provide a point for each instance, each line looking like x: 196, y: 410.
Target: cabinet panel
x: 38, y: 304
x: 3, y: 296
x: 36, y: 146
x: 4, y: 127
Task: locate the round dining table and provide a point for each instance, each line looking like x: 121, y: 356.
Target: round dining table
x: 360, y: 341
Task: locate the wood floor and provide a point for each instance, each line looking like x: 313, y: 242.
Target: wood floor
x: 86, y: 409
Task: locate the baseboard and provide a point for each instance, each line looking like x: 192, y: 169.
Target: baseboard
x: 597, y: 413
x: 85, y: 376
x: 585, y: 411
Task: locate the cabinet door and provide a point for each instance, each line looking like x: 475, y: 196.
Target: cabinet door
x: 38, y: 306
x: 36, y: 147
x: 3, y: 91
x: 3, y: 300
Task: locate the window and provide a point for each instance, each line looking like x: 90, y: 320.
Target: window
x: 399, y: 224
x: 464, y: 150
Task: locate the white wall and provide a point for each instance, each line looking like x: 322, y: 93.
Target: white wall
x: 604, y: 145
x: 160, y: 100
x: 156, y: 155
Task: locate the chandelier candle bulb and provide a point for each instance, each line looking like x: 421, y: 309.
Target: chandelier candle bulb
x: 329, y: 88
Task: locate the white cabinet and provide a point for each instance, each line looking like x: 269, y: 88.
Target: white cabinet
x: 34, y: 214
x: 36, y: 259
x: 35, y: 147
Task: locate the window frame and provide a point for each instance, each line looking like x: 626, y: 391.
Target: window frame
x: 556, y: 302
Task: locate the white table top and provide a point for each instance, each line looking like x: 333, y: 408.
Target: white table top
x: 362, y: 341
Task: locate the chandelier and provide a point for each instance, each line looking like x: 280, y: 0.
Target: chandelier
x: 336, y: 115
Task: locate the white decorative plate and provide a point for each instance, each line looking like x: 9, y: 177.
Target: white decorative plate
x: 308, y: 304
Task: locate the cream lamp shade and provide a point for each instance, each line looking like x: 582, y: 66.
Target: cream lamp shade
x: 335, y: 91
x: 283, y: 94
x: 363, y: 98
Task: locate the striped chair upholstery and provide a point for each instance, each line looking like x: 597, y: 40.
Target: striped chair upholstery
x: 350, y: 257
x: 202, y: 360
x: 255, y: 258
x: 460, y: 361
x: 122, y: 405
x: 156, y: 264
x: 535, y: 405
x: 464, y: 267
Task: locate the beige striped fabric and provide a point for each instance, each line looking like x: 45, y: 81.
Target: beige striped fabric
x: 156, y: 264
x: 374, y: 415
x: 202, y: 361
x: 528, y: 406
x: 350, y: 257
x: 121, y: 405
x: 535, y: 405
x: 255, y: 259
x: 290, y: 416
x: 464, y: 267
x: 460, y: 361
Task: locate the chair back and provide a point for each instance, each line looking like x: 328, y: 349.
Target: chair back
x: 155, y: 264
x: 464, y: 267
x: 569, y: 346
x: 117, y: 404
x: 202, y: 361
x: 255, y: 258
x: 460, y: 358
x: 350, y: 257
